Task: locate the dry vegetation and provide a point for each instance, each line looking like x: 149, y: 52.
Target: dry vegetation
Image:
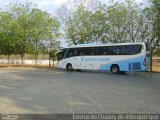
x: 27, y: 56
x: 156, y: 66
x: 13, y: 66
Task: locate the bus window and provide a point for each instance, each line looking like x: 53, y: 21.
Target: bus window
x: 82, y: 51
x: 76, y: 53
x: 133, y: 49
x: 123, y: 50
x: 92, y: 51
x: 105, y: 50
x: 116, y: 50
x: 137, y: 48
x: 70, y: 53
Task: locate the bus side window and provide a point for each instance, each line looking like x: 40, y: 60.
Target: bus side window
x: 115, y: 50
x: 129, y: 50
x: 76, y: 52
x: 133, y: 49
x: 104, y: 50
x: 137, y: 48
x: 123, y: 50
x: 92, y: 51
x: 82, y: 51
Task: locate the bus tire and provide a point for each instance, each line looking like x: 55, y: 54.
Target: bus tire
x: 122, y: 72
x: 69, y: 67
x: 79, y: 70
x: 115, y: 69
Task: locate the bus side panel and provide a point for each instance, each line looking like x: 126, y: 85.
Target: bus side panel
x: 61, y: 64
x: 134, y: 64
x: 126, y: 63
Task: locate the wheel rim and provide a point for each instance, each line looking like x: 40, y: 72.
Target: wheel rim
x: 70, y: 67
x: 114, y: 70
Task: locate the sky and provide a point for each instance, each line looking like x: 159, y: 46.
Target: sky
x: 47, y: 5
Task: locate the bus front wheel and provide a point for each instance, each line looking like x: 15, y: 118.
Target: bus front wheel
x: 69, y: 67
x: 115, y: 69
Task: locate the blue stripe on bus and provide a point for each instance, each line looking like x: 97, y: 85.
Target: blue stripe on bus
x: 124, y: 65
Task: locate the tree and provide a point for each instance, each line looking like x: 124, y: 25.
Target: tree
x: 99, y: 25
x: 156, y: 23
x: 38, y: 31
x: 52, y: 55
x: 7, y: 34
x: 79, y: 26
x: 76, y: 21
x: 118, y: 22
x: 26, y: 29
x: 21, y: 14
x: 117, y: 18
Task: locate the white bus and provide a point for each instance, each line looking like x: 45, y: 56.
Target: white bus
x: 122, y: 57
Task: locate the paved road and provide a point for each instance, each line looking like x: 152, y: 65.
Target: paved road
x: 46, y: 91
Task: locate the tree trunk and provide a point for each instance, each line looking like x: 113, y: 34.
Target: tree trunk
x: 36, y: 54
x: 49, y: 60
x: 8, y: 60
x: 36, y: 59
x: 22, y: 59
x: 151, y: 60
x: 53, y: 64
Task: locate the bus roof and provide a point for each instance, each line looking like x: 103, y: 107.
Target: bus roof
x: 97, y: 45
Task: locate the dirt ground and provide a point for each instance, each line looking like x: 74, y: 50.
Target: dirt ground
x: 156, y: 66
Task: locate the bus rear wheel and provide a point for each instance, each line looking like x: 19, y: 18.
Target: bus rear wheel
x: 69, y: 67
x: 115, y: 69
x: 78, y: 70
